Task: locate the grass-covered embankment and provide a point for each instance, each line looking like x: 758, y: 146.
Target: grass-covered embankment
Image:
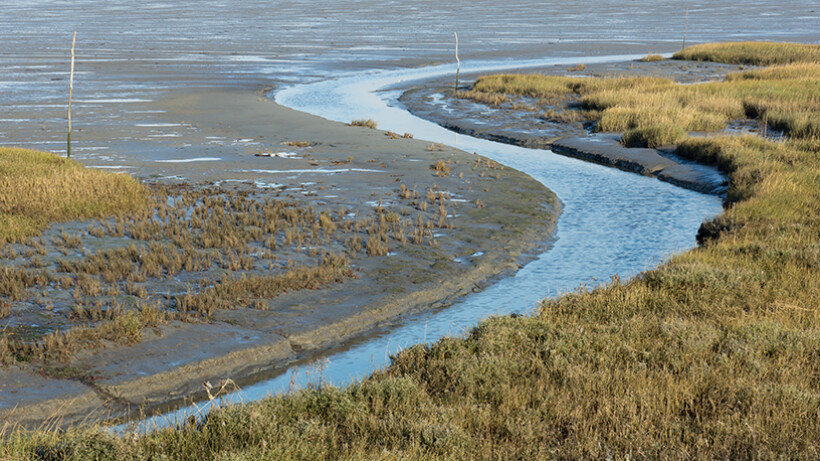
x: 712, y: 355
x: 753, y: 53
x: 658, y: 111
x: 38, y: 188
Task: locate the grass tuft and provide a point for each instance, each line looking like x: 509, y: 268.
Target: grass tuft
x: 652, y: 58
x: 365, y: 122
x: 37, y: 188
x: 753, y: 53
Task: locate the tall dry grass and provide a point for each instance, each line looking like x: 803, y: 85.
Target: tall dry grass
x: 754, y: 53
x: 654, y: 111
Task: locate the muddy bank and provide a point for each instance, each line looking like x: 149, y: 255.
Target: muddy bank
x: 660, y: 163
x: 519, y: 123
x: 495, y: 219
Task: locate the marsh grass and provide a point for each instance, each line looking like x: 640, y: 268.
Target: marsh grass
x: 246, y: 291
x: 187, y: 232
x: 113, y: 324
x: 441, y: 168
x: 712, y: 355
x: 654, y: 112
x: 37, y: 188
x: 753, y: 53
x: 652, y: 58
x: 365, y: 122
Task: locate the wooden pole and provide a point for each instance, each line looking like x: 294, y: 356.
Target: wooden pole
x: 70, y: 95
x: 686, y: 30
x: 458, y: 65
x: 765, y: 131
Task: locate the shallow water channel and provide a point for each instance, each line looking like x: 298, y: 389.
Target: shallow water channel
x: 612, y: 223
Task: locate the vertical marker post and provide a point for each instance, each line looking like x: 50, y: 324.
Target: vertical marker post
x: 686, y: 30
x: 70, y: 95
x: 458, y: 64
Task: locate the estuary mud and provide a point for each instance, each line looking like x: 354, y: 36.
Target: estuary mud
x: 479, y: 220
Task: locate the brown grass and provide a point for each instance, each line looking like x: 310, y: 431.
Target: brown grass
x: 441, y: 168
x: 37, y: 188
x: 365, y: 122
x: 655, y: 111
x: 116, y: 325
x: 652, y: 58
x: 298, y: 143
x: 186, y: 231
x: 754, y: 53
x: 244, y: 291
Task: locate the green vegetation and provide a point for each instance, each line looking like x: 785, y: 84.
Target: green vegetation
x: 712, y: 355
x: 753, y: 53
x: 37, y: 188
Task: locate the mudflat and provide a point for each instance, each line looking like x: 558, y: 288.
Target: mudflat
x: 518, y: 122
x: 488, y: 220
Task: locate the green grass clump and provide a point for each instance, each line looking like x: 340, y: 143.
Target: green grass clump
x: 37, y: 188
x: 753, y: 53
x: 713, y: 355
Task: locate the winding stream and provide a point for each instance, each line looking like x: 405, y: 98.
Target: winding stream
x: 612, y: 223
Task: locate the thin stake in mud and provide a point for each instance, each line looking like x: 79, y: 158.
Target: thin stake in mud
x: 458, y: 63
x: 685, y: 30
x: 765, y: 131
x: 70, y: 96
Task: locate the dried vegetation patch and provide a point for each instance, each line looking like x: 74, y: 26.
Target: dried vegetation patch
x: 184, y: 254
x: 37, y: 188
x: 655, y: 112
x: 365, y: 122
x: 754, y: 53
